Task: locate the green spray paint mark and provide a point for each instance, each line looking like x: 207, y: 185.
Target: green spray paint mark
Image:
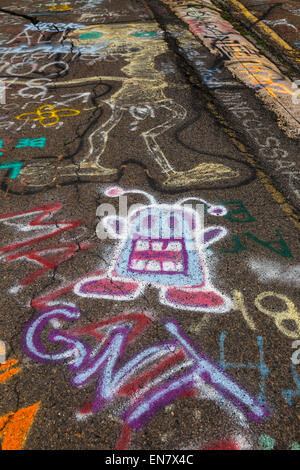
x: 295, y: 446
x: 15, y: 168
x: 145, y: 34
x: 93, y: 35
x: 231, y: 215
x: 266, y: 442
x: 278, y: 246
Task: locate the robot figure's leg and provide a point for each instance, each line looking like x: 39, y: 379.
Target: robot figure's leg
x: 205, y: 173
x: 98, y: 140
x: 178, y: 115
x: 109, y: 288
x: 196, y: 299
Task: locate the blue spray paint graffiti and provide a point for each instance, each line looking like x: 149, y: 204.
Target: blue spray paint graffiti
x: 261, y: 366
x: 289, y: 394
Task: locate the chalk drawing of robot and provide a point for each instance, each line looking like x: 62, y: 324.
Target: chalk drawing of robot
x: 163, y: 246
x: 140, y: 99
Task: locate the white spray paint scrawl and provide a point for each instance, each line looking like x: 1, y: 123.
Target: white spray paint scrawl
x: 2, y: 92
x: 268, y: 270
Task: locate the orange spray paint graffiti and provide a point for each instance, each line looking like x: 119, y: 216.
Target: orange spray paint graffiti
x: 14, y: 427
x: 6, y: 370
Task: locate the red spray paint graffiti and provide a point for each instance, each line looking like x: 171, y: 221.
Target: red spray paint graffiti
x: 48, y: 258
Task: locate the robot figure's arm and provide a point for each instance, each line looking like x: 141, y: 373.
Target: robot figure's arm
x: 212, y: 234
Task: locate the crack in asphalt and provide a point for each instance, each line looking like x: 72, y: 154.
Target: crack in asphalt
x: 266, y: 14
x: 32, y: 19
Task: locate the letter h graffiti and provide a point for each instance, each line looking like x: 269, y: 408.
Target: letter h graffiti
x: 261, y: 366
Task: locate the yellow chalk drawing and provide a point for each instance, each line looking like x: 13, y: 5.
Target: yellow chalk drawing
x: 141, y: 98
x: 80, y: 81
x: 47, y: 115
x: 289, y: 314
x: 264, y: 78
x: 239, y: 304
x: 14, y: 427
x: 62, y: 7
x: 142, y: 95
x: 9, y: 372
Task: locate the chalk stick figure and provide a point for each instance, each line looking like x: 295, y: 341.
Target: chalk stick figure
x: 140, y: 99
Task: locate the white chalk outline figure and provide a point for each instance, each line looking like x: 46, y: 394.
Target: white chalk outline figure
x: 142, y: 96
x: 169, y: 256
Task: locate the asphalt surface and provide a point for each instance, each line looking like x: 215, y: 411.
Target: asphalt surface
x: 283, y: 17
x: 109, y: 93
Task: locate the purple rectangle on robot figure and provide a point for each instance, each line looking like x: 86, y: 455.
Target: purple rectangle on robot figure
x: 166, y: 256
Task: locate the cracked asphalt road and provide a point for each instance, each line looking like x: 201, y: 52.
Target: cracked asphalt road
x: 102, y: 94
